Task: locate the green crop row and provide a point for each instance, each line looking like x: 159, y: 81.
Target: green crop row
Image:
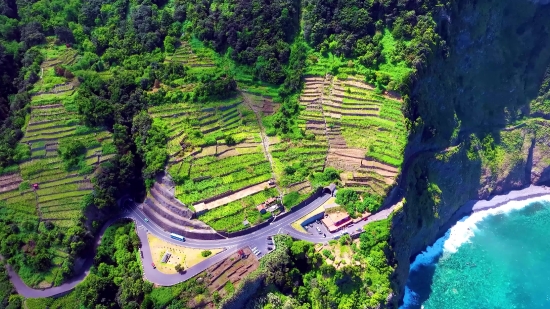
x: 48, y: 176
x: 215, y: 187
x: 28, y: 196
x: 57, y: 189
x: 52, y: 197
x: 26, y: 206
x: 229, y: 210
x: 65, y: 201
x: 61, y: 207
x: 227, y: 164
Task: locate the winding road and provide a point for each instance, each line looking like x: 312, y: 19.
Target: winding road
x: 230, y: 245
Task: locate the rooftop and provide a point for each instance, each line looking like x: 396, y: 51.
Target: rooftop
x: 336, y: 220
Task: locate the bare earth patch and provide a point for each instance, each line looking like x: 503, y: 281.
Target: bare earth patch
x: 187, y: 257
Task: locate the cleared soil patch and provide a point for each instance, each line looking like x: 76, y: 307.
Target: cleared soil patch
x: 187, y: 257
x: 231, y: 270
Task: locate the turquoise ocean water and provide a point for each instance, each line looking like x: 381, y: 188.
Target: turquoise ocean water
x: 498, y: 258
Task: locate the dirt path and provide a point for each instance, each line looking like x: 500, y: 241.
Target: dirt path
x: 265, y: 140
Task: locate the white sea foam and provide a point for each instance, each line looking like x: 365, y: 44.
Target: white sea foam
x: 455, y: 237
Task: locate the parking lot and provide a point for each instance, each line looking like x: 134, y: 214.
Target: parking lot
x: 263, y: 246
x: 312, y: 229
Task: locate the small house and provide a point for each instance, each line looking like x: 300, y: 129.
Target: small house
x: 261, y: 208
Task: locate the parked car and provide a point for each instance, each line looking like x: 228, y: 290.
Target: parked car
x: 318, y: 230
x: 153, y: 264
x: 270, y: 243
x: 141, y: 252
x: 359, y: 230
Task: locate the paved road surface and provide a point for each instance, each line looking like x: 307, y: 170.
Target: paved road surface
x: 230, y: 245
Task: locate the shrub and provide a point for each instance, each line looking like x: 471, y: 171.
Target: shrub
x: 290, y: 170
x: 290, y: 199
x: 24, y: 186
x: 72, y: 152
x: 326, y: 177
x: 230, y: 140
x: 22, y: 152
x: 59, y: 71
x: 206, y: 253
x: 345, y: 240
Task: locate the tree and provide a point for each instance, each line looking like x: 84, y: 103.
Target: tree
x: 31, y: 34
x: 206, y: 253
x: 345, y: 240
x: 170, y: 44
x: 64, y: 34
x: 179, y: 268
x: 59, y: 71
x: 71, y: 151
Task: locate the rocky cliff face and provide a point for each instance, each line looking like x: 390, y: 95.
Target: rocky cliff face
x: 473, y: 103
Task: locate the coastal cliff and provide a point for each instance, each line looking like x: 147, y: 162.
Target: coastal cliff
x: 482, y: 101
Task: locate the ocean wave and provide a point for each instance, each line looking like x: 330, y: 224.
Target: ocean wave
x: 454, y: 238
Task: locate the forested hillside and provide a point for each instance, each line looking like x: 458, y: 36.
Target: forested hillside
x: 226, y: 95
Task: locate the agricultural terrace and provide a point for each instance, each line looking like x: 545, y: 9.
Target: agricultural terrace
x: 194, y: 55
x: 215, y: 149
x: 61, y: 190
x: 58, y: 197
x: 366, y: 132
x: 230, y: 217
x: 295, y: 160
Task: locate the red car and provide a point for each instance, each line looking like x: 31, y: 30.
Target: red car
x: 153, y: 264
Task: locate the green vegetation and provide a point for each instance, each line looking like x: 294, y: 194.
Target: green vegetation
x: 213, y: 148
x: 230, y: 217
x: 105, y: 95
x: 72, y: 152
x: 296, y: 161
x: 293, y: 199
x: 8, y: 296
x: 356, y: 204
x: 297, y: 276
x: 116, y: 280
x: 61, y: 157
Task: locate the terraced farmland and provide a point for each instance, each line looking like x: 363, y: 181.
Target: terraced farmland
x: 215, y: 149
x: 230, y: 217
x: 194, y: 55
x: 366, y: 132
x: 308, y: 155
x: 60, y: 192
